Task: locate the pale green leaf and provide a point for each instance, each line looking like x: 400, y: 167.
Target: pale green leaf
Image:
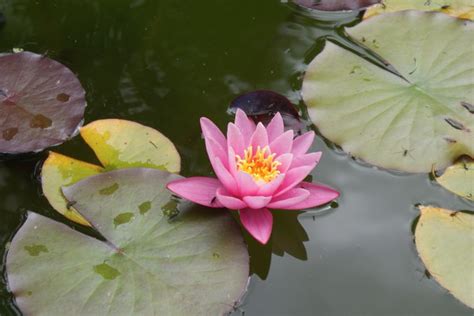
x: 408, y: 123
x: 445, y: 242
x: 195, y: 264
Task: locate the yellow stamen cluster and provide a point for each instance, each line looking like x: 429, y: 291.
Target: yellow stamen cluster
x: 260, y: 165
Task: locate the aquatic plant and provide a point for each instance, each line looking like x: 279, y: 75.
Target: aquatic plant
x: 258, y: 168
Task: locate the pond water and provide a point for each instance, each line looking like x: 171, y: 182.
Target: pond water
x: 166, y: 63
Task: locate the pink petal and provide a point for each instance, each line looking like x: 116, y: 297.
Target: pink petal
x: 246, y: 125
x: 275, y: 128
x: 210, y: 130
x: 246, y: 184
x: 319, y: 195
x: 307, y: 159
x: 214, y: 150
x: 200, y: 190
x: 285, y: 160
x: 229, y: 201
x: 293, y: 178
x: 259, y: 137
x: 235, y: 139
x: 302, y: 143
x: 232, y: 164
x: 258, y: 223
x: 290, y: 198
x: 257, y: 202
x: 224, y: 176
x: 269, y: 188
x: 283, y: 143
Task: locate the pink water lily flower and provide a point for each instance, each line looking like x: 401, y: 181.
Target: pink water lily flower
x: 258, y: 168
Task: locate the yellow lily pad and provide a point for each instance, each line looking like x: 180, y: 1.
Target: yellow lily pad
x: 118, y: 144
x: 445, y: 242
x: 459, y: 179
x: 122, y: 144
x: 58, y: 171
x: 463, y: 9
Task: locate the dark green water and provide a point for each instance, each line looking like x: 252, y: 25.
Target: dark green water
x: 165, y: 63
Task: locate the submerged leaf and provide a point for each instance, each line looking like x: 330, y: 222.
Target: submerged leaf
x: 336, y: 5
x: 118, y: 144
x: 41, y: 103
x: 262, y: 105
x: 459, y: 179
x: 444, y: 240
x: 463, y: 9
x: 407, y: 123
x: 194, y: 265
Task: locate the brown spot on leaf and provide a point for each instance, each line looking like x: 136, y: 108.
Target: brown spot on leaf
x: 9, y: 133
x: 450, y: 140
x: 468, y: 106
x: 456, y: 124
x: 63, y: 97
x: 40, y: 121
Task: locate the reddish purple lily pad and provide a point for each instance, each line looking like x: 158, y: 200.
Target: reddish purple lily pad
x: 262, y: 105
x: 336, y: 5
x: 41, y: 103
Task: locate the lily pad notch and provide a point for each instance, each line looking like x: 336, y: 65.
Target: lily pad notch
x: 407, y: 123
x: 459, y: 179
x: 195, y: 264
x: 118, y: 144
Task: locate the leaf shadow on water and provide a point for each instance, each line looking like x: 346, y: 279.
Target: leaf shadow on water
x: 2, y: 20
x: 288, y: 237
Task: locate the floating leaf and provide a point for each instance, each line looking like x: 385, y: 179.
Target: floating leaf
x: 262, y: 105
x: 463, y: 9
x: 408, y: 123
x: 117, y: 144
x: 126, y: 144
x: 444, y: 240
x: 59, y: 171
x: 336, y: 5
x: 196, y: 264
x: 459, y: 179
x: 41, y: 103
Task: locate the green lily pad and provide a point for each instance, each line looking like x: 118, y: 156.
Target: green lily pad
x: 463, y: 9
x: 118, y: 144
x: 411, y: 122
x: 459, y: 179
x: 444, y: 240
x: 41, y: 103
x: 195, y: 264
